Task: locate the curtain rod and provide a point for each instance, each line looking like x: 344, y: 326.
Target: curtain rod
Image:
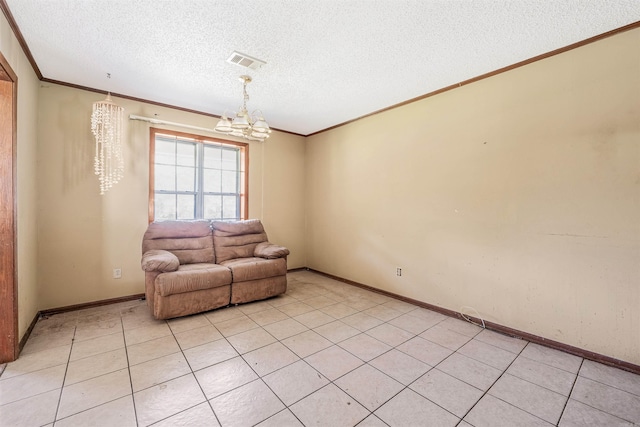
x: 165, y: 122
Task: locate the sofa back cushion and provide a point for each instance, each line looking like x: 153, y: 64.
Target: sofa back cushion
x: 236, y: 239
x: 190, y: 241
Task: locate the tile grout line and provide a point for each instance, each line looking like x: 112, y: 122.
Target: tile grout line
x: 609, y: 385
x: 575, y: 380
x: 508, y: 403
x: 543, y: 387
x: 66, y: 370
x: 260, y: 377
x: 367, y: 363
x: 493, y: 383
x: 370, y: 413
x: 586, y: 404
x: 126, y: 351
x: 435, y: 367
x: 551, y: 366
x: 405, y: 387
x: 300, y: 358
x: 532, y: 360
x: 98, y: 376
x: 194, y: 373
x: 286, y: 407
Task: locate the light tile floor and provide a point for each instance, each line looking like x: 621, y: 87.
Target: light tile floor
x: 323, y: 354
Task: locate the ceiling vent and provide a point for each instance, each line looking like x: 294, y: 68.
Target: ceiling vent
x: 245, y: 61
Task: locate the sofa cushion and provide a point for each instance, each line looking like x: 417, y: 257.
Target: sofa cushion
x: 192, y: 277
x: 190, y: 241
x: 159, y: 260
x: 236, y: 239
x: 253, y: 290
x: 244, y: 269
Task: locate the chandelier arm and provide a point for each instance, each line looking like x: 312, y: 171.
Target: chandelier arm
x: 244, y: 124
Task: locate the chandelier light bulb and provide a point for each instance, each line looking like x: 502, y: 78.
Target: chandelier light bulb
x: 244, y: 125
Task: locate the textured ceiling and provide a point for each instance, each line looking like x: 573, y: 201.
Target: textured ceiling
x: 327, y: 61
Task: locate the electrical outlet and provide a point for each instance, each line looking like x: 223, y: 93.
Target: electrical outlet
x: 117, y: 273
x: 398, y: 271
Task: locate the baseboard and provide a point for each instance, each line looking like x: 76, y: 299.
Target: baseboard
x: 74, y: 307
x: 590, y: 355
x: 52, y: 311
x: 27, y: 333
x: 293, y: 270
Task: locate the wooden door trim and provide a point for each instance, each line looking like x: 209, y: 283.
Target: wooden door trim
x: 8, y: 209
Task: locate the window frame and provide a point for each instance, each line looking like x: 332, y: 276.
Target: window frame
x: 244, y: 154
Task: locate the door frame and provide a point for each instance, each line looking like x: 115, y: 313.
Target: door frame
x: 8, y: 208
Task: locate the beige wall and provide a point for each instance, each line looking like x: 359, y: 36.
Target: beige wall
x: 83, y: 236
x: 26, y: 176
x: 518, y: 195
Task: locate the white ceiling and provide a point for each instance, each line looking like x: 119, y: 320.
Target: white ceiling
x: 327, y: 61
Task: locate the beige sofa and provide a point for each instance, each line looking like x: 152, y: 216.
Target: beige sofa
x: 196, y: 266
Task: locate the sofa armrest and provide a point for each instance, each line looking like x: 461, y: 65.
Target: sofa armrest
x: 159, y: 260
x: 270, y: 251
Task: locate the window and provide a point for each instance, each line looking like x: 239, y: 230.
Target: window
x: 195, y: 177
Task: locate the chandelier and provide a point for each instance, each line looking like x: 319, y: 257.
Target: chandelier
x: 107, y: 126
x: 252, y: 127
